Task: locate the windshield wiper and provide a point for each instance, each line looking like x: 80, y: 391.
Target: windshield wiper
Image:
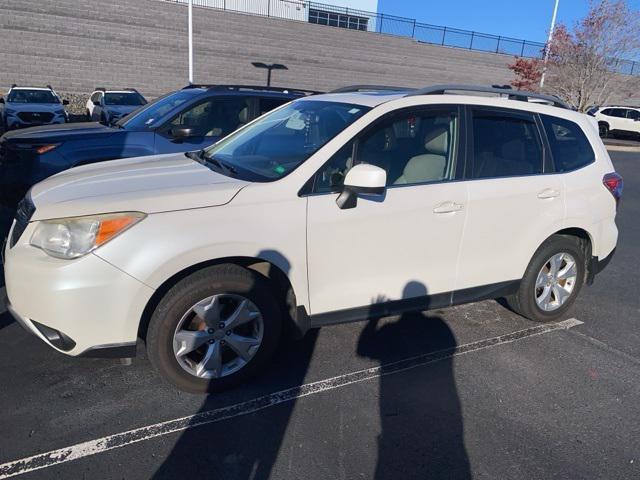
x: 201, y: 158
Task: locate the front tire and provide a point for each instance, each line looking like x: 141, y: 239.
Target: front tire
x: 214, y: 329
x: 552, y: 280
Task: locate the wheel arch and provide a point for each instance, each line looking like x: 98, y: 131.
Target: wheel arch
x: 586, y: 243
x: 296, y: 319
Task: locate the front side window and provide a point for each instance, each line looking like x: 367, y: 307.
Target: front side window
x: 32, y: 96
x: 413, y: 147
x: 216, y: 117
x: 569, y: 145
x: 505, y: 144
x: 123, y: 98
x: 150, y: 115
x: 281, y: 140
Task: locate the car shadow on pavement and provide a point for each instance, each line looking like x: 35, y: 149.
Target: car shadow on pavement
x: 421, y: 420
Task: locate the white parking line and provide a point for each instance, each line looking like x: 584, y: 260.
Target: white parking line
x: 111, y: 442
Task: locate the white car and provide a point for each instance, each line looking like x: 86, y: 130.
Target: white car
x: 109, y: 106
x: 615, y: 120
x: 329, y: 209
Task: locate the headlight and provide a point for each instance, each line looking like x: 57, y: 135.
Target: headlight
x: 69, y: 238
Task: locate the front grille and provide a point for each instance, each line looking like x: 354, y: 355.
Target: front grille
x: 35, y: 117
x: 25, y: 211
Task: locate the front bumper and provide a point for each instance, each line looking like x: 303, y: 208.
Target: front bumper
x: 82, y: 307
x: 13, y: 123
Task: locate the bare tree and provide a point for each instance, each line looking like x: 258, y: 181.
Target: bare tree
x: 584, y: 63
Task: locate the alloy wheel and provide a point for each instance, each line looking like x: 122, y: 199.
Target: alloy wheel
x: 218, y: 336
x: 555, y: 281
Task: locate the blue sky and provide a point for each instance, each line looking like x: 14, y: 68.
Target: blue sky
x: 524, y: 19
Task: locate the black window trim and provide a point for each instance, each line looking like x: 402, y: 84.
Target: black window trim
x: 511, y: 112
x: 461, y: 155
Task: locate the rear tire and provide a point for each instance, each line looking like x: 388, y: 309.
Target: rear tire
x: 200, y: 305
x: 545, y: 295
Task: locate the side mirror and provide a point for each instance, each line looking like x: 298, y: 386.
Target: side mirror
x: 65, y: 102
x: 362, y: 179
x: 2, y: 100
x: 179, y: 133
x: 96, y: 103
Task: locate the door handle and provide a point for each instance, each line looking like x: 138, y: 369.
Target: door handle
x: 448, y: 207
x: 549, y: 193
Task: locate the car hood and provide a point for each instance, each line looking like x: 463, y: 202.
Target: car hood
x: 60, y: 133
x: 34, y: 107
x: 152, y: 184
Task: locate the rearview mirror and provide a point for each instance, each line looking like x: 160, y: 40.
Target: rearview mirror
x: 96, y: 103
x: 182, y: 132
x: 362, y: 179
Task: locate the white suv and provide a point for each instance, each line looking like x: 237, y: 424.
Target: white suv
x: 614, y: 120
x: 331, y: 208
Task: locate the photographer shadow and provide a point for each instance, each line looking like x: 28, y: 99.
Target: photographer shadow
x: 420, y: 413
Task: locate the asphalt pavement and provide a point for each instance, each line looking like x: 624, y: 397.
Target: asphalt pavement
x: 467, y: 392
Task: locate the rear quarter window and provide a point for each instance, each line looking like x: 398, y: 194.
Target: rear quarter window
x: 569, y: 145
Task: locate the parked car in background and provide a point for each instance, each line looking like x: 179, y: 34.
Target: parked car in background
x: 614, y: 120
x: 32, y: 106
x: 109, y: 106
x: 188, y: 119
x: 331, y: 209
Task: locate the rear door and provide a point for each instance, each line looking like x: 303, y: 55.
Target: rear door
x: 514, y: 196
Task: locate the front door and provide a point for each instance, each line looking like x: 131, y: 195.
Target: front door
x: 405, y: 244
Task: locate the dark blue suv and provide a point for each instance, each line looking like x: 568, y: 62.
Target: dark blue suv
x: 189, y: 119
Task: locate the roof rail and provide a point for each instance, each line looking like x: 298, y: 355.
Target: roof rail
x: 100, y: 89
x: 370, y: 88
x: 49, y: 87
x: 261, y: 88
x: 14, y: 85
x: 513, y: 94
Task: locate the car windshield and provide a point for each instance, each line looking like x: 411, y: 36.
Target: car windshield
x: 32, y: 96
x: 123, y: 98
x: 280, y: 141
x: 149, y: 115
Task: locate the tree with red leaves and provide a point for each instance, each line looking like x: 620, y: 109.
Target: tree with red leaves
x: 582, y: 63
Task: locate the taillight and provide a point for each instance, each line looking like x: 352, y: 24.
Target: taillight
x: 614, y: 184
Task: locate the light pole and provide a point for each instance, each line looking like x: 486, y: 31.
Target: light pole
x: 269, y: 68
x: 548, y: 46
x: 190, y: 42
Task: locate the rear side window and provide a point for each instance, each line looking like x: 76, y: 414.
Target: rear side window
x: 569, y: 145
x: 505, y: 144
x: 633, y: 114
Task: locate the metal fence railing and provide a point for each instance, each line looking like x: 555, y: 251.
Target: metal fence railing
x: 332, y: 15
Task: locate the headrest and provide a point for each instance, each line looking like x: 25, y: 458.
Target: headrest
x: 243, y: 115
x: 436, y: 141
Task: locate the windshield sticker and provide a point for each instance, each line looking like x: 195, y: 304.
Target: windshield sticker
x: 279, y: 169
x: 353, y: 111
